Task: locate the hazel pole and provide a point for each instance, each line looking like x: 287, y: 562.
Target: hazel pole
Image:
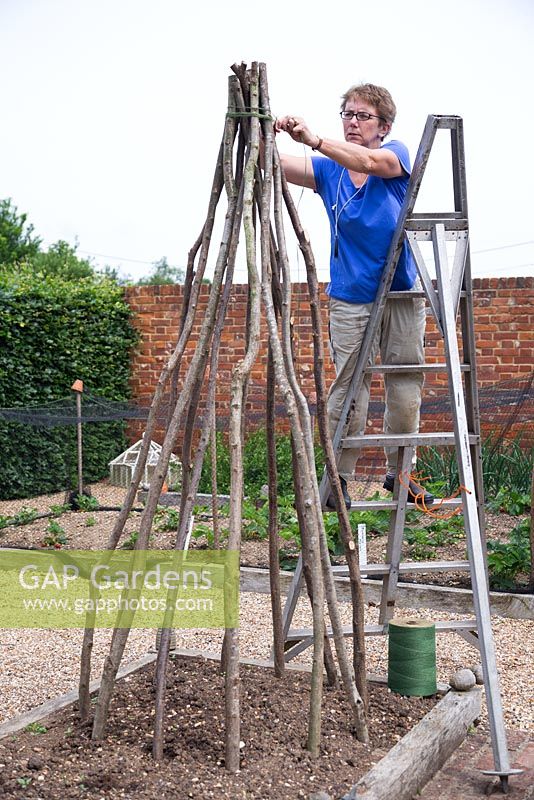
x: 189, y: 495
x: 263, y: 192
x: 309, y: 535
x: 214, y: 487
x: 187, y: 294
x: 234, y: 194
x: 347, y: 671
x: 274, y: 571
x: 239, y: 376
x: 274, y: 555
x: 326, y: 443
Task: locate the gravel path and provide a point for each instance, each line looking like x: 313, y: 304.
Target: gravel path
x: 37, y: 665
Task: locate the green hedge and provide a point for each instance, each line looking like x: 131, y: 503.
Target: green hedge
x: 52, y: 332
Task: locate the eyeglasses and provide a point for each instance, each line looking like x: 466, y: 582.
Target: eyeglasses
x: 361, y: 116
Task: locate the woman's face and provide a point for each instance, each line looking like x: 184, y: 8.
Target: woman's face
x: 368, y: 133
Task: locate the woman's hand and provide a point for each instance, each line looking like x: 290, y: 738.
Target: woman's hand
x: 297, y: 129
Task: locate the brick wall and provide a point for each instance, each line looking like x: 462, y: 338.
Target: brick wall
x: 504, y: 323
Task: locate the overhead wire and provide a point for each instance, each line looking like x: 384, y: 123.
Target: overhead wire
x: 502, y: 247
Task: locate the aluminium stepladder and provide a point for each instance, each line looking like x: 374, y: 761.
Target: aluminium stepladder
x: 452, y: 295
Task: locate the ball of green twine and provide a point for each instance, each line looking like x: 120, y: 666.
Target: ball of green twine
x: 412, y: 657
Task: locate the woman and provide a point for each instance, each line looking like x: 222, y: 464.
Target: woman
x: 362, y: 183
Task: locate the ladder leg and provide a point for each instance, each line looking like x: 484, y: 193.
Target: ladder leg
x: 461, y: 279
x: 471, y: 519
x: 471, y: 394
x: 396, y: 535
x: 292, y: 597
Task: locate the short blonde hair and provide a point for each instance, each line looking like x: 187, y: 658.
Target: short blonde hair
x: 376, y: 96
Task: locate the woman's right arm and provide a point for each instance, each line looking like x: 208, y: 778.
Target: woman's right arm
x: 298, y: 170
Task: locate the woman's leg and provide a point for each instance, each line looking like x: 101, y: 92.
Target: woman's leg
x: 347, y: 325
x: 402, y: 342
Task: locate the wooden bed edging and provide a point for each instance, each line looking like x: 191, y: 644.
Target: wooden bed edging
x: 416, y: 758
x: 409, y: 595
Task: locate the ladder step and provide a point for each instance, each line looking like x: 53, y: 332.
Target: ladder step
x: 406, y: 566
x: 430, y: 215
x: 390, y: 505
x: 443, y: 626
x: 426, y: 223
x: 413, y: 293
x: 414, y: 368
x: 403, y: 439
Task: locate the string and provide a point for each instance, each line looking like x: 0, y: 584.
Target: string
x: 419, y: 499
x: 260, y: 114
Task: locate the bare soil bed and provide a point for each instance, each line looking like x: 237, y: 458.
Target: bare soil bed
x: 63, y: 762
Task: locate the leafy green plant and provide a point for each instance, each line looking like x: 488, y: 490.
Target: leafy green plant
x: 129, y: 543
x: 166, y: 519
x: 376, y: 522
x: 26, y: 515
x: 205, y: 530
x: 424, y: 541
x: 58, y: 510
x: 85, y: 502
x: 90, y: 522
x: 507, y: 560
x: 256, y: 519
x: 23, y: 517
x: 287, y: 560
x: 55, y: 535
x: 510, y: 501
x: 35, y: 727
x: 24, y: 781
x: 421, y: 544
x: 506, y: 462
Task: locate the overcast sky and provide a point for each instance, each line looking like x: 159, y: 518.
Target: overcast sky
x: 113, y: 111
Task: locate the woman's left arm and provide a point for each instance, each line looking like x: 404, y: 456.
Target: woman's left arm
x: 381, y: 162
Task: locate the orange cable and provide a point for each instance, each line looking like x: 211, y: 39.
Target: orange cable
x: 419, y: 499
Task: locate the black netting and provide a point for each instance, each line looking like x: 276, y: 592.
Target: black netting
x: 502, y: 405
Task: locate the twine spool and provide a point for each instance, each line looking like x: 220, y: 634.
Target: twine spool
x: 412, y: 657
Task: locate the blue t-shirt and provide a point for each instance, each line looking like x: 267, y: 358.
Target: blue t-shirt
x: 366, y: 221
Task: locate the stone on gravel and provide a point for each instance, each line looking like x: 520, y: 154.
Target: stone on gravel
x: 463, y: 680
x: 479, y: 675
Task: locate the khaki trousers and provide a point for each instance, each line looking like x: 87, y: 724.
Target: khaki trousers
x: 400, y: 340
